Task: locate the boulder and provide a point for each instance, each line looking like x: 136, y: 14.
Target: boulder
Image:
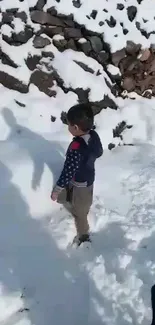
x: 32, y: 61
x: 85, y: 46
x: 72, y: 33
x: 60, y: 43
x: 43, y: 81
x: 40, y: 42
x: 131, y: 12
x: 53, y: 30
x: 120, y: 6
x: 23, y: 36
x: 22, y: 15
x: 77, y: 3
x: 13, y: 83
x: 44, y: 18
x: 40, y: 4
x: 144, y: 55
x: 129, y: 84
x: 132, y: 48
x: 118, y: 56
x: 96, y: 43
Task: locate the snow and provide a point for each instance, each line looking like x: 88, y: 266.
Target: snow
x: 42, y: 279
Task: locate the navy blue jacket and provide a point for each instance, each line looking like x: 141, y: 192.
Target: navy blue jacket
x: 79, y: 167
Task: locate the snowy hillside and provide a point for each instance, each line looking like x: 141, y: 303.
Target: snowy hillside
x: 55, y: 54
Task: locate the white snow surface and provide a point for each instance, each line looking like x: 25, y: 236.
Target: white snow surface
x: 42, y: 279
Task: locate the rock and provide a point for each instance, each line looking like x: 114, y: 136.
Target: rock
x: 52, y: 11
x: 101, y: 23
x: 48, y: 54
x: 93, y: 14
x: 128, y: 64
x: 128, y: 84
x: 69, y: 22
x: 105, y: 10
x: 120, y: 6
x: 22, y: 15
x: 144, y: 55
x: 131, y: 12
x: 96, y: 43
x: 111, y: 146
x: 51, y: 31
x: 77, y: 3
x: 40, y: 4
x: 43, y: 81
x: 40, y: 42
x: 104, y: 103
x: 132, y: 48
x: 32, y: 61
x: 23, y: 36
x: 7, y: 60
x: 63, y: 117
x: 53, y: 118
x: 111, y: 22
x: 72, y: 33
x: 84, y: 67
x: 7, y: 17
x: 139, y: 1
x: 85, y: 46
x: 60, y: 43
x: 20, y: 104
x: 43, y: 18
x: 118, y: 56
x: 103, y: 57
x: 83, y: 95
x: 125, y: 31
x: 71, y: 45
x: 12, y: 10
x: 13, y: 83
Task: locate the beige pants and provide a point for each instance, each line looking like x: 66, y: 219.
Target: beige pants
x: 80, y: 200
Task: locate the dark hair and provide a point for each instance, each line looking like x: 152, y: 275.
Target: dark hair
x: 82, y: 116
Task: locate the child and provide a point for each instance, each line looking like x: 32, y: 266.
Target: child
x: 75, y: 183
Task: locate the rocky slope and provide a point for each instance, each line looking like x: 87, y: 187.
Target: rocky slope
x: 41, y: 43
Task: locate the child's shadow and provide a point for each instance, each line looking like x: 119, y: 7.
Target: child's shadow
x: 42, y: 151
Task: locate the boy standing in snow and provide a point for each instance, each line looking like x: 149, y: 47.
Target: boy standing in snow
x: 75, y: 184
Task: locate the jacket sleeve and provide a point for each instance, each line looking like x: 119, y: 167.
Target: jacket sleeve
x: 71, y: 165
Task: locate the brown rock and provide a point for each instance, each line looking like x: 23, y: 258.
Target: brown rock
x: 151, y: 68
x: 132, y: 48
x: 43, y: 81
x: 40, y: 42
x: 72, y: 33
x: 128, y: 84
x: 118, y: 56
x: 12, y: 83
x: 128, y: 64
x: 44, y: 18
x: 144, y: 55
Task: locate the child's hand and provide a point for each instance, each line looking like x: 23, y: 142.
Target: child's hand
x: 54, y: 196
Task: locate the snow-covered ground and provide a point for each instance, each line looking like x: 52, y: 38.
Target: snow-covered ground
x: 42, y: 279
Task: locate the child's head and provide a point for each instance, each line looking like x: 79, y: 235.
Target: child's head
x: 80, y: 119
